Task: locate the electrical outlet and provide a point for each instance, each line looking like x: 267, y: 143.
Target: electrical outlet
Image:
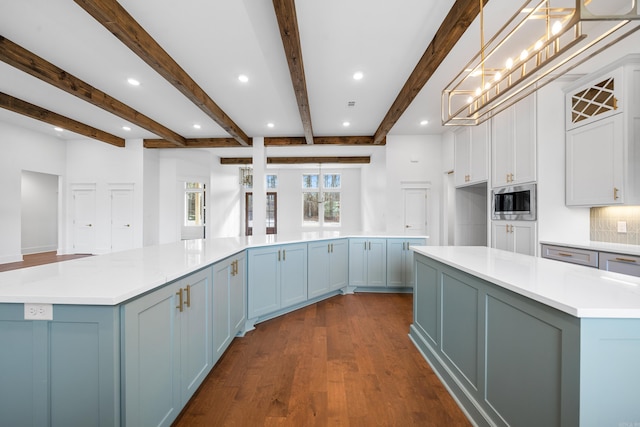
x: 622, y: 226
x: 38, y: 312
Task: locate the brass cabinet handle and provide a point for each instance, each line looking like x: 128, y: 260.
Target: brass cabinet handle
x: 332, y: 248
x: 615, y: 193
x: 507, y: 227
x: 284, y: 254
x: 625, y: 259
x: 365, y: 246
x: 369, y: 245
x: 188, y: 289
x: 564, y: 254
x: 403, y: 243
x: 179, y: 306
x: 512, y: 228
x: 328, y: 248
x: 234, y: 268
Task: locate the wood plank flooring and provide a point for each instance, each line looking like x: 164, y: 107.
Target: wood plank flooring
x: 38, y: 259
x: 345, y: 361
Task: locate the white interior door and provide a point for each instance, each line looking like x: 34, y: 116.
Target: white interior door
x: 121, y: 220
x: 84, y: 218
x: 415, y: 211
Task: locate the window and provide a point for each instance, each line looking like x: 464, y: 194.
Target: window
x: 194, y: 204
x: 321, y: 203
x: 272, y: 213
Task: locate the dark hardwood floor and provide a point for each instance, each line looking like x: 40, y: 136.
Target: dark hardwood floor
x: 345, y: 361
x: 38, y: 259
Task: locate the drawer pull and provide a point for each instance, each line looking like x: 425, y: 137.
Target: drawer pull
x: 180, y: 301
x: 625, y: 260
x: 564, y: 254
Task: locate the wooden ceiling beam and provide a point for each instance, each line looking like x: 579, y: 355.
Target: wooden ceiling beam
x: 26, y: 109
x: 298, y: 160
x: 32, y: 64
x: 320, y: 140
x: 196, y: 143
x: 316, y: 160
x: 461, y: 15
x: 236, y: 160
x: 288, y: 24
x: 117, y: 20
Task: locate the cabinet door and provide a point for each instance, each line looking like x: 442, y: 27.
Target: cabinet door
x: 319, y: 268
x: 358, y: 262
x: 221, y: 300
x: 595, y: 163
x: 395, y: 262
x: 524, y: 141
x: 339, y: 271
x: 152, y: 359
x: 409, y: 274
x: 501, y: 148
x: 524, y: 237
x: 237, y: 290
x: 479, y: 164
x: 500, y: 236
x: 196, y: 358
x: 293, y: 276
x: 263, y: 281
x: 377, y: 262
x: 462, y: 155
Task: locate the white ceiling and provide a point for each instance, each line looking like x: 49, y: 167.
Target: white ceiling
x: 216, y: 40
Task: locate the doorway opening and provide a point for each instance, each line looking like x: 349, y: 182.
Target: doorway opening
x: 272, y: 213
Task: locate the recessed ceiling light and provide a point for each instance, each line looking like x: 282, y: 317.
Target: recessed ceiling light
x: 196, y: 126
x: 358, y: 75
x: 57, y: 129
x: 270, y: 125
x: 424, y: 122
x: 133, y: 82
x: 243, y: 78
x: 127, y: 128
x: 346, y: 124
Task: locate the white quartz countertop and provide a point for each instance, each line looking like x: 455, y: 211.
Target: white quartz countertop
x: 618, y: 248
x: 111, y: 279
x: 577, y: 290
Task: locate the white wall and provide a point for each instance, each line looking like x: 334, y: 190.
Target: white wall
x: 151, y: 197
x: 414, y: 159
x: 224, y: 201
x: 373, y: 196
x: 177, y: 166
x: 39, y: 206
x: 22, y: 149
x: 94, y: 162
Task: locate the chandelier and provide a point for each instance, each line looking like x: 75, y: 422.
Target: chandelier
x: 246, y: 176
x: 538, y: 44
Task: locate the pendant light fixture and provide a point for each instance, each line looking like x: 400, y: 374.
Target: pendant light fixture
x: 543, y: 40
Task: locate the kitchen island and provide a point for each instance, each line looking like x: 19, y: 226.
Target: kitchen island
x: 127, y: 338
x: 526, y: 341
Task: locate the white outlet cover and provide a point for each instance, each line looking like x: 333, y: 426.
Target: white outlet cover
x: 38, y: 311
x: 622, y: 226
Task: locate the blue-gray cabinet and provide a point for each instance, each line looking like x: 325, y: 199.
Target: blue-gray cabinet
x: 368, y: 262
x: 167, y: 350
x: 507, y: 359
x: 63, y: 372
x: 228, y: 301
x: 276, y: 278
x: 400, y: 262
x: 327, y: 266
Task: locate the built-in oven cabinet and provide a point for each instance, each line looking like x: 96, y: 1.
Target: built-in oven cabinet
x: 625, y: 264
x: 514, y: 236
x: 471, y: 154
x: 571, y: 255
x: 602, y: 140
x: 513, y: 144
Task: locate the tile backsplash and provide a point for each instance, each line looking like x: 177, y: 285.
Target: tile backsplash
x: 604, y: 224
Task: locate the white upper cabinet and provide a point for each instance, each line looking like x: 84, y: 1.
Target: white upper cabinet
x: 603, y: 136
x: 514, y: 144
x: 471, y: 151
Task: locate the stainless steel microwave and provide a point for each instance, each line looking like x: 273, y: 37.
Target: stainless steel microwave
x: 515, y: 203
